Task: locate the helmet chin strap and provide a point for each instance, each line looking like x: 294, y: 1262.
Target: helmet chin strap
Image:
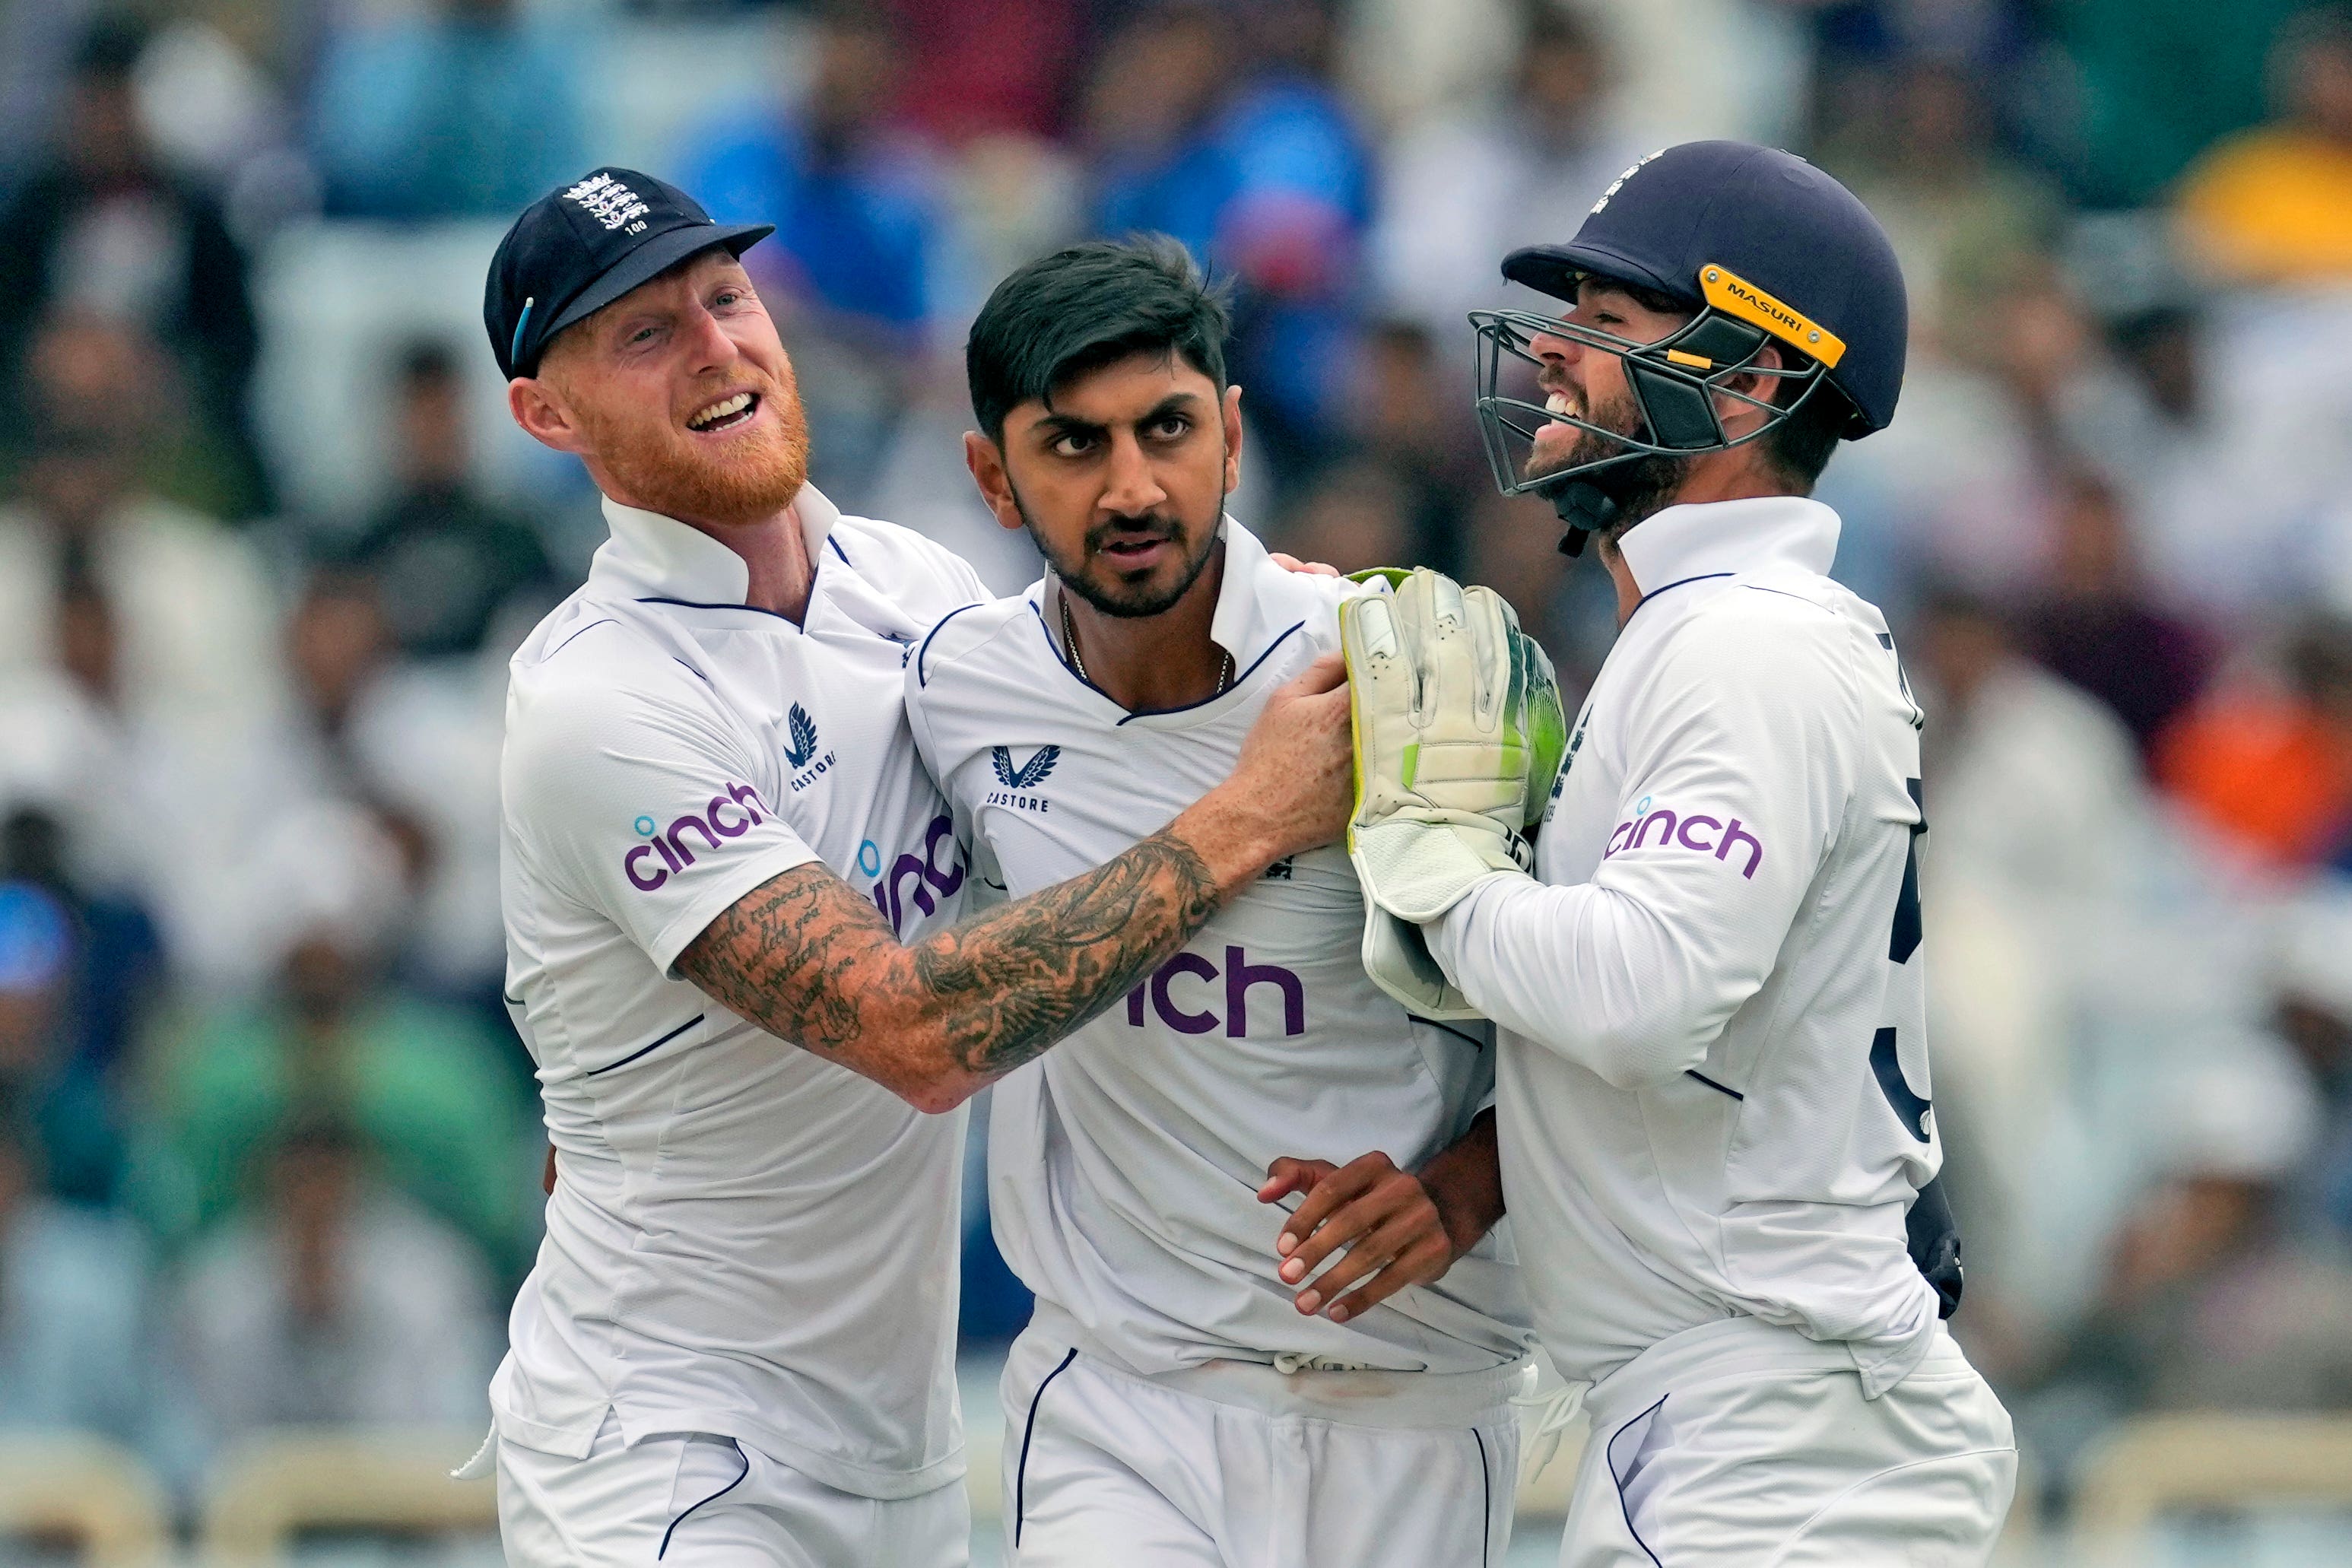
x: 1588, y: 502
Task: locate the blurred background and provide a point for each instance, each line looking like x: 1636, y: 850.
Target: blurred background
x: 268, y: 1150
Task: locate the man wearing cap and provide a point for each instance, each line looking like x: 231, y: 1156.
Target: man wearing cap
x: 1712, y: 1078
x: 737, y: 1346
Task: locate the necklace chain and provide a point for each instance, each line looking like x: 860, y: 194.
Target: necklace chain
x: 1078, y: 663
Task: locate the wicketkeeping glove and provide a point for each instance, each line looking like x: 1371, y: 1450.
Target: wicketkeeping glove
x: 1459, y: 734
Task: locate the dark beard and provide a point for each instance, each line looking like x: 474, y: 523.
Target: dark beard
x: 1640, y: 486
x: 1122, y: 600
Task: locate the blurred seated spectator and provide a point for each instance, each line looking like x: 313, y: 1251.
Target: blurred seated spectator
x: 2311, y: 973
x: 191, y: 601
x: 102, y: 232
x: 2098, y: 625
x: 421, y: 1084
x: 852, y: 273
x: 2267, y: 766
x: 1224, y: 129
x: 1967, y: 221
x: 1410, y: 412
x: 2156, y: 81
x: 456, y: 109
x: 1466, y: 186
x: 2211, y: 1302
x: 449, y: 565
x: 1354, y: 515
x: 117, y: 975
x: 65, y: 1102
x: 2031, y: 782
x: 982, y: 67
x: 73, y: 1303
x: 333, y: 1301
x: 2274, y: 204
x: 415, y: 745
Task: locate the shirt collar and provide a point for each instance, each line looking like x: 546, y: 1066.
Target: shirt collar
x: 652, y: 556
x: 1712, y: 539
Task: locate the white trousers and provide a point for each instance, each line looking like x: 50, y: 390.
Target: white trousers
x: 708, y: 1502
x: 1743, y: 1450
x: 1105, y: 1470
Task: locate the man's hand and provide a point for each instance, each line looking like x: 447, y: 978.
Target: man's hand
x: 1293, y: 783
x: 1308, y: 568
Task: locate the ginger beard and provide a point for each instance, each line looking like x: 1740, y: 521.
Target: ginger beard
x: 744, y: 476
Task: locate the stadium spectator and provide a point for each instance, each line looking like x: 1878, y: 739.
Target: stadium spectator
x: 989, y: 67
x: 101, y: 230
x: 1405, y: 412
x: 2157, y: 80
x: 2267, y: 766
x: 449, y: 565
x: 1225, y: 129
x: 1469, y: 184
x: 1968, y: 223
x: 74, y: 1346
x: 854, y: 273
x: 2098, y: 625
x: 461, y: 109
x: 334, y: 1302
x: 2274, y: 204
x: 119, y: 962
x: 191, y: 601
x: 2210, y: 1302
x: 422, y: 1085
x: 65, y: 1102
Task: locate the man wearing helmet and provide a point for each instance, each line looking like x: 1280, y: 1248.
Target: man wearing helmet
x: 1712, y: 1083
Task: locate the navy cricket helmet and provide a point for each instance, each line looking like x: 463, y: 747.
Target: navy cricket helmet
x: 1765, y: 251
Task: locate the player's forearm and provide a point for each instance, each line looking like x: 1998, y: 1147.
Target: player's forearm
x: 1608, y: 981
x: 809, y: 961
x: 1465, y: 1180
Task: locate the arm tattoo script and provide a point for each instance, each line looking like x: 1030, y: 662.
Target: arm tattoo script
x: 806, y: 958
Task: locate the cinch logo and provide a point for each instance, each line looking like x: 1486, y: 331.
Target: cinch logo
x: 919, y: 874
x: 1681, y: 833
x: 800, y: 746
x: 741, y: 802
x: 1239, y: 975
x: 1028, y: 775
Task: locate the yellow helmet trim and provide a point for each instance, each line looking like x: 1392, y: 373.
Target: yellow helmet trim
x: 1735, y: 296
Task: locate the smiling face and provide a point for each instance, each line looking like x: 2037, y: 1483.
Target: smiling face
x: 1589, y: 382
x: 1120, y: 479
x: 678, y: 396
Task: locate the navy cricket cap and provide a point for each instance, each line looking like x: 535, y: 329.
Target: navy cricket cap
x: 575, y: 250
x: 1759, y: 234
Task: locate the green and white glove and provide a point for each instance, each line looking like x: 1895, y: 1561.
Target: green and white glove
x: 1459, y: 733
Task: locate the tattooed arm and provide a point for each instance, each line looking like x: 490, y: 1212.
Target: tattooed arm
x: 809, y: 960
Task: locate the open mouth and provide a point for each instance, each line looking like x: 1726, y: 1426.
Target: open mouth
x: 726, y: 414
x: 1137, y: 551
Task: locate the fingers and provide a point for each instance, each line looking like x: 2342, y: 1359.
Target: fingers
x: 1420, y: 1261
x: 1301, y: 1241
x: 1287, y: 1176
x: 1292, y: 563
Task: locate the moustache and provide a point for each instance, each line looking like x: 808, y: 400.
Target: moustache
x: 1152, y: 527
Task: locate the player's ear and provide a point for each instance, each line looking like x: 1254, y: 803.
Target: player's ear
x: 542, y: 415
x: 985, y: 459
x: 1231, y: 414
x: 1738, y: 417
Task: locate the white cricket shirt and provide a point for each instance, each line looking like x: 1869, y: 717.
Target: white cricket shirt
x: 746, y: 1239
x: 1712, y: 1082
x: 1124, y: 1164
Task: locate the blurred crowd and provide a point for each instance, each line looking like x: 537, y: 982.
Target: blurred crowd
x: 269, y: 1148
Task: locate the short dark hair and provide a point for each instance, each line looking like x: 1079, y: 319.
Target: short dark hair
x: 1799, y: 447
x: 1079, y: 310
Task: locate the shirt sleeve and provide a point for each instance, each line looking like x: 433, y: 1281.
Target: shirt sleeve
x: 1737, y: 775
x: 640, y: 804
x: 940, y: 763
